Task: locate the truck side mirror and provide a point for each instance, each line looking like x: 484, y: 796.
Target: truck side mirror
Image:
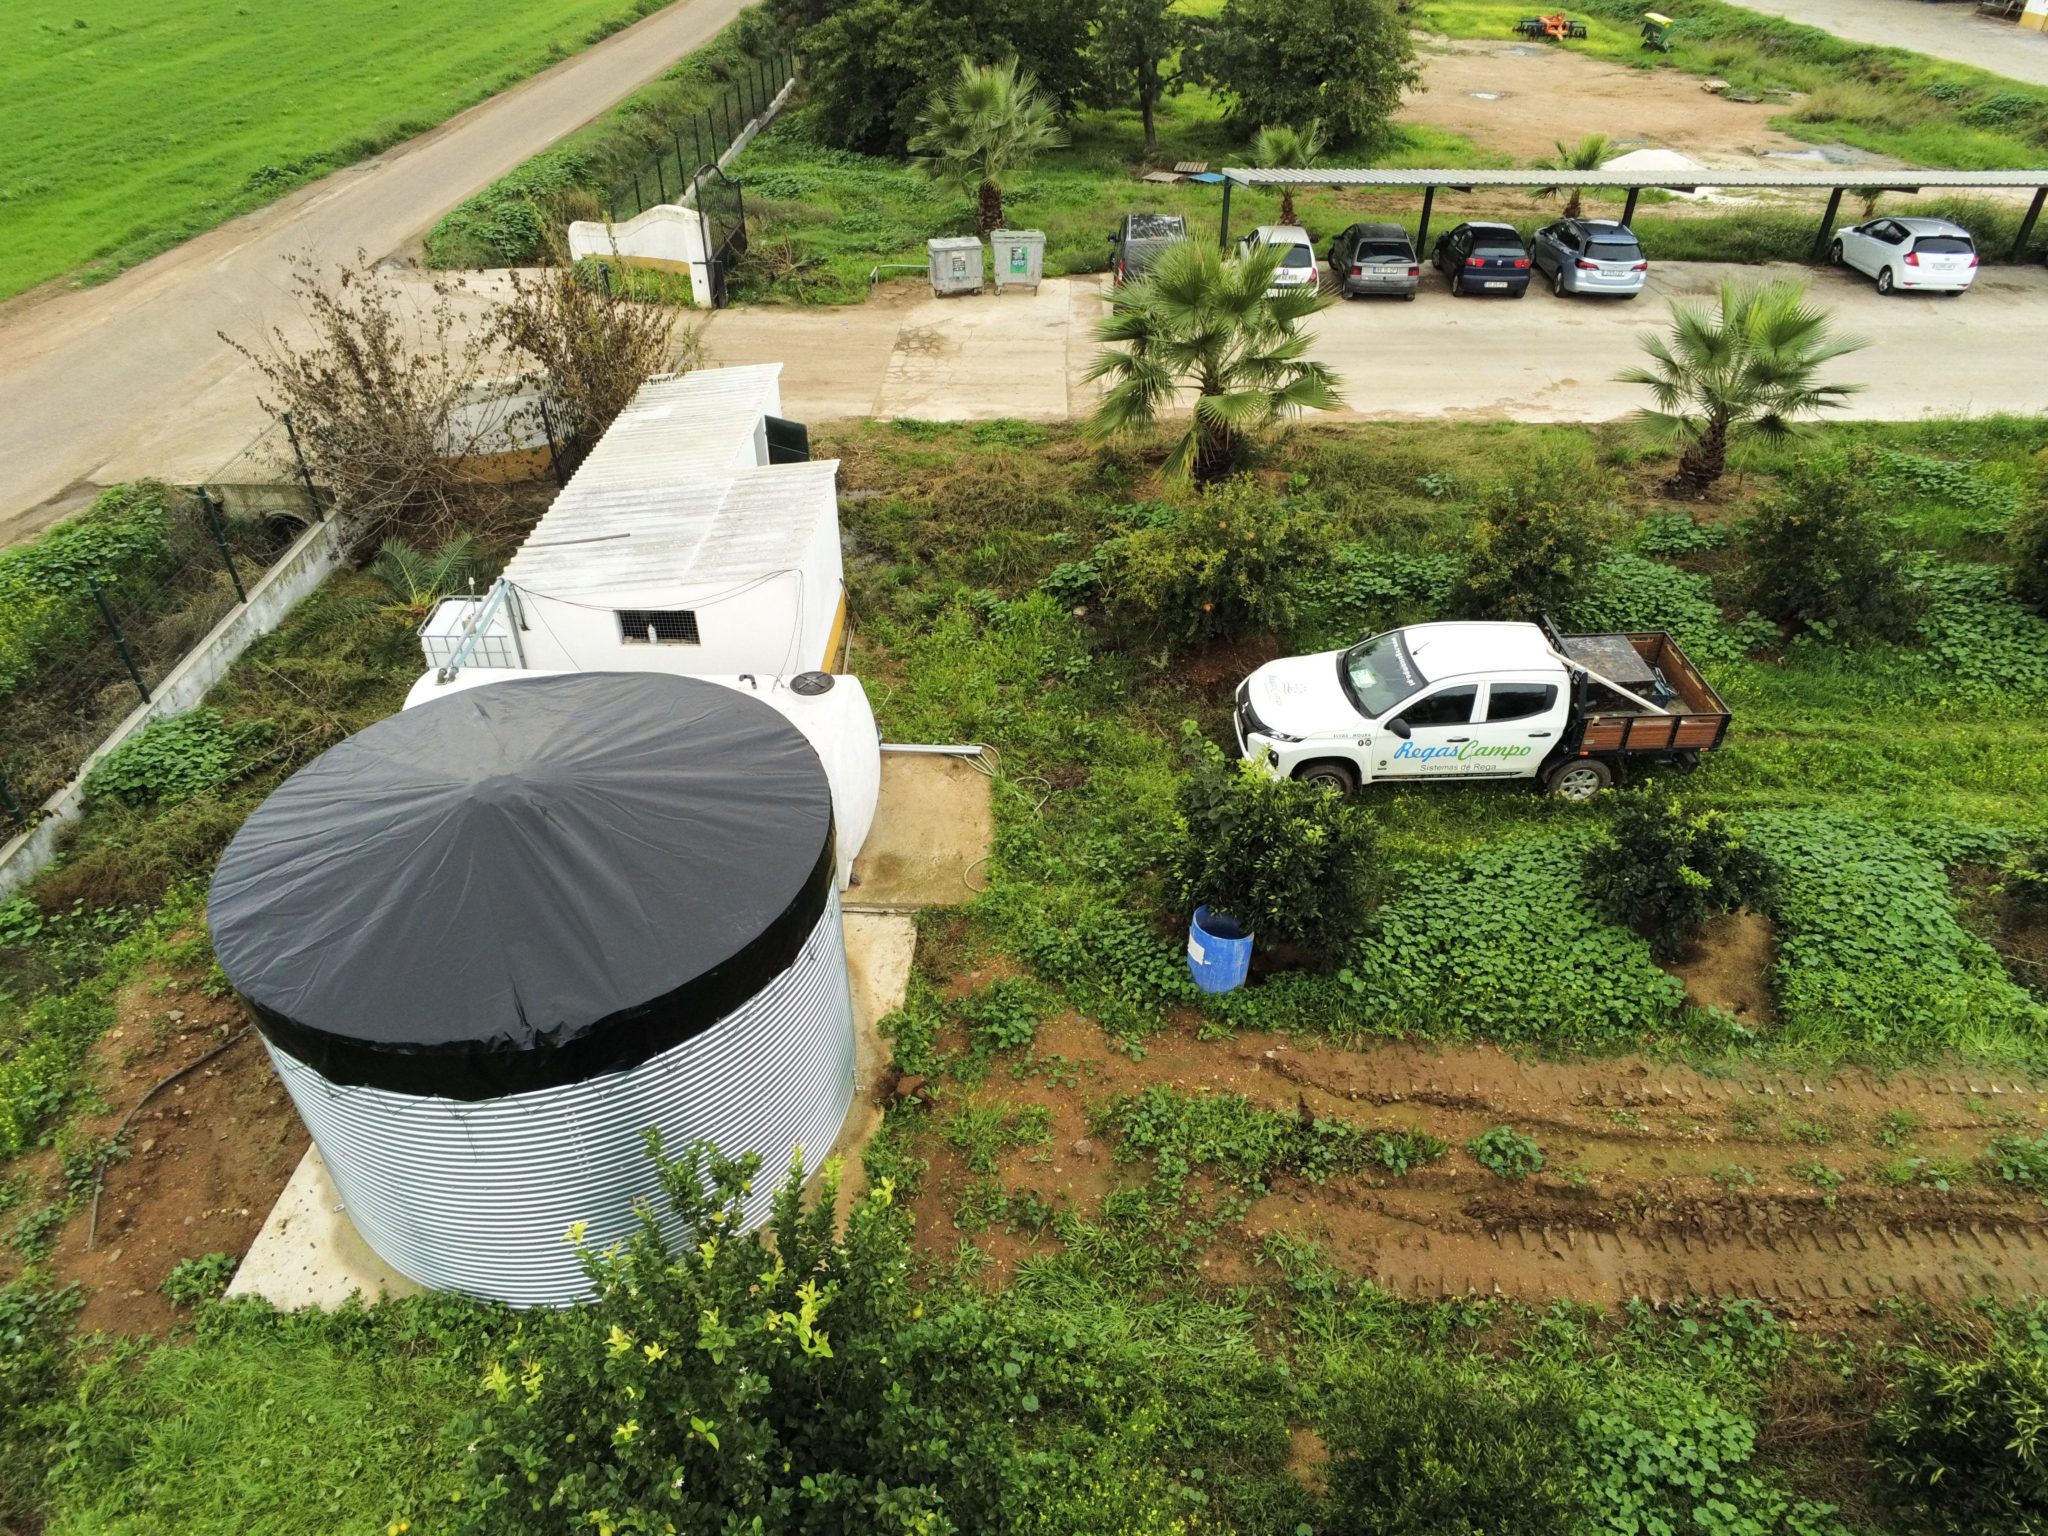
x: 1398, y: 727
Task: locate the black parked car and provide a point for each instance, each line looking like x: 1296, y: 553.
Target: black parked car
x: 1375, y: 258
x: 1483, y: 258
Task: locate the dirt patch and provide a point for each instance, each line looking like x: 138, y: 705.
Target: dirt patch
x: 1730, y: 968
x: 1511, y: 98
x: 207, y: 1155
x: 1824, y: 1194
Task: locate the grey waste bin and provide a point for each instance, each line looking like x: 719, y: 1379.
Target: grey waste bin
x: 1019, y: 257
x: 956, y: 264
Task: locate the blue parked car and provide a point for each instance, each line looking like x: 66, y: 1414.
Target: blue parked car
x: 1483, y: 258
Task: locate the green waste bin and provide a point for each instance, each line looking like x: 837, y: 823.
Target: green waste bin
x: 1656, y: 32
x: 1019, y: 257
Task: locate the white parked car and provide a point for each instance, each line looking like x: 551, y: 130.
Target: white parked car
x: 1464, y: 701
x: 1930, y: 254
x: 1297, y: 267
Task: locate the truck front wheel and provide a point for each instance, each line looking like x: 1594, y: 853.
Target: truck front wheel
x: 1339, y: 778
x: 1580, y: 779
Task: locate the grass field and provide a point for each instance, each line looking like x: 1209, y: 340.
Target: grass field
x: 133, y: 125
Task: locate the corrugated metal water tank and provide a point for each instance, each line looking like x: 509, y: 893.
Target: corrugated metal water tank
x: 494, y: 939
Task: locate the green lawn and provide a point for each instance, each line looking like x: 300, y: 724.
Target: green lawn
x: 133, y: 125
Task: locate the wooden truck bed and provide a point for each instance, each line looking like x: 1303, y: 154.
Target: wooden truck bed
x: 1652, y: 665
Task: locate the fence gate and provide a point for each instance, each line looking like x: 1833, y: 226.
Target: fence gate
x: 724, y: 213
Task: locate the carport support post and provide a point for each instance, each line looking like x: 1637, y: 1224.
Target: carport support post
x: 1628, y: 209
x: 2019, y: 246
x: 1827, y: 226
x: 1422, y: 233
x: 1223, y: 230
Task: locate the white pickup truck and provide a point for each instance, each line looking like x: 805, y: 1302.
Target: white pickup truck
x: 1480, y: 701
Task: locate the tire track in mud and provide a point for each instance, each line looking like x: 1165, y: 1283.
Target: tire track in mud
x: 1638, y: 1198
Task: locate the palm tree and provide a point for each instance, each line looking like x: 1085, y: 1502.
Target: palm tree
x: 1207, y: 326
x: 1589, y: 154
x: 1288, y: 149
x: 417, y: 580
x: 1745, y: 370
x: 989, y: 122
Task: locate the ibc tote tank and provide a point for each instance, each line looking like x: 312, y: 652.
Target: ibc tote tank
x: 491, y: 940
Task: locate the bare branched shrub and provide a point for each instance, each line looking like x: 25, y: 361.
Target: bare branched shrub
x: 588, y: 341
x: 383, y: 403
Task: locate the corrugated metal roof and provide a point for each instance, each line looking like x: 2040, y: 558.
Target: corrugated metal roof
x: 1821, y: 181
x: 664, y: 537
x: 658, y: 506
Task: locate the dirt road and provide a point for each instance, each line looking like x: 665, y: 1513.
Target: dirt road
x: 99, y: 384
x: 1534, y: 359
x: 1822, y: 1194
x: 1951, y: 32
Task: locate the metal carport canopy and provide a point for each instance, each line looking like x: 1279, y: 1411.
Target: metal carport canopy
x: 1832, y: 182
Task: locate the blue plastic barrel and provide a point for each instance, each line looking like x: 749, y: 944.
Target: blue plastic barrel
x: 1219, y: 951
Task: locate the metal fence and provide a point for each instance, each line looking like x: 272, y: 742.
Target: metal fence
x: 136, y: 628
x: 701, y: 138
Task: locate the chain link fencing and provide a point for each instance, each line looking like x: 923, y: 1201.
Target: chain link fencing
x: 124, y: 594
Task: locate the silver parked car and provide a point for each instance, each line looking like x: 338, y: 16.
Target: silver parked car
x: 1590, y: 256
x: 1375, y: 258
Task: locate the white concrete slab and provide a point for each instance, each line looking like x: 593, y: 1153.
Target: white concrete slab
x: 309, y: 1253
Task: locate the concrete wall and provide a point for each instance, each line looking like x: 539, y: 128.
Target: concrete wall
x: 309, y: 561
x: 669, y: 236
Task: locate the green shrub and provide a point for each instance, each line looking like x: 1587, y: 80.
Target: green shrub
x: 1506, y: 1153
x: 1977, y: 641
x: 1628, y: 593
x: 2026, y: 540
x: 1005, y: 1015
x: 1290, y: 861
x: 1428, y: 1447
x: 35, y: 1363
x: 1506, y: 945
x: 1669, y: 533
x: 46, y: 602
x: 1358, y: 590
x: 1663, y: 870
x: 1540, y: 535
x: 192, y: 1281
x: 1869, y: 949
x: 1667, y: 1456
x: 1824, y: 557
x: 1961, y: 1439
x: 2023, y: 881
x: 1226, y: 1134
x: 2021, y: 1160
x: 168, y: 760
x: 1218, y: 567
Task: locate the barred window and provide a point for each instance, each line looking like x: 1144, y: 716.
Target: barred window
x: 658, y: 626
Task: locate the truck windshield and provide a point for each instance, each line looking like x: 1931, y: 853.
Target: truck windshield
x: 1378, y: 673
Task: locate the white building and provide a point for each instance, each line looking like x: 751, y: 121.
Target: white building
x: 695, y: 539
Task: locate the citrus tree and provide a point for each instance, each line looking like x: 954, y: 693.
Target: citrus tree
x: 990, y: 122
x: 1210, y: 328
x: 1747, y: 368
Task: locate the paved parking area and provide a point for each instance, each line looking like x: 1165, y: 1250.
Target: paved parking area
x: 1540, y: 358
